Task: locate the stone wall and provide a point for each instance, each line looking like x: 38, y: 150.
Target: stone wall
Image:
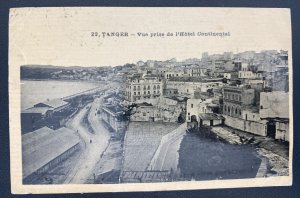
x: 257, y: 128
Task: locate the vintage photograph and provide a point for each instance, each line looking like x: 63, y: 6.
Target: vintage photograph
x: 150, y: 95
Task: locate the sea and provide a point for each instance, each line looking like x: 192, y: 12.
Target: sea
x: 35, y: 91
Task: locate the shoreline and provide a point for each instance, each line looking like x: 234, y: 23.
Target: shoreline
x: 99, y: 85
x: 63, y: 80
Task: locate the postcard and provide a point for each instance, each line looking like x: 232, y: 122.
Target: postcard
x: 116, y: 99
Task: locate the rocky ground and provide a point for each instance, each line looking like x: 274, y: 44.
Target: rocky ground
x: 275, y: 153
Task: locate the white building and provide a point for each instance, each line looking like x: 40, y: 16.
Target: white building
x: 188, y: 88
x: 172, y: 74
x: 196, y: 106
x: 249, y: 74
x: 145, y: 87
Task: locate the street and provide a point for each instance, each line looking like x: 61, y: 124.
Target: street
x: 93, y: 145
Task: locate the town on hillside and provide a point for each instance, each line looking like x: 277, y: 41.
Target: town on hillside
x: 219, y: 116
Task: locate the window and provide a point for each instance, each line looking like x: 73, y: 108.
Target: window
x: 139, y: 93
x: 154, y: 92
x: 154, y: 87
x: 144, y: 114
x: 148, y: 92
x: 158, y: 87
x: 228, y: 109
x: 144, y: 92
x: 236, y: 111
x: 134, y: 93
x: 192, y: 105
x: 148, y: 87
x: 187, y: 90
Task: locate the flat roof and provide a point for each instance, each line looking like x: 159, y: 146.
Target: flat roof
x: 55, y: 103
x: 41, y: 110
x: 44, y: 145
x: 114, y: 109
x: 195, y: 79
x: 210, y: 116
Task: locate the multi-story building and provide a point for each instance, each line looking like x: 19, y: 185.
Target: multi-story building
x: 146, y: 87
x: 236, y: 99
x: 249, y: 74
x: 196, y: 106
x: 274, y: 108
x: 172, y: 74
x: 187, y: 87
x: 195, y: 71
x: 240, y: 112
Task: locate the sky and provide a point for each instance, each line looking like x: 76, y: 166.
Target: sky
x: 62, y: 36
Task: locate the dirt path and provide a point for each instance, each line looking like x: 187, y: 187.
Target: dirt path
x: 93, y: 144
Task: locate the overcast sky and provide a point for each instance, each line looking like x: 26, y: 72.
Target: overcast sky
x: 62, y: 36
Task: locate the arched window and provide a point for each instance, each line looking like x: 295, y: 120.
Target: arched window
x: 154, y: 87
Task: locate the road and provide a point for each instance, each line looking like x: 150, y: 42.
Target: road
x: 93, y: 144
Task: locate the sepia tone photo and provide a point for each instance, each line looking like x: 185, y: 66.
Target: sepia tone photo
x: 145, y: 99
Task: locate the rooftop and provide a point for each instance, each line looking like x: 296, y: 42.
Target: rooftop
x: 41, y: 110
x: 196, y: 79
x: 55, y: 103
x: 44, y: 145
x: 178, y: 98
x: 210, y: 116
x: 114, y: 109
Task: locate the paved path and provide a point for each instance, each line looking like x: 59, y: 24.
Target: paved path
x: 93, y: 144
